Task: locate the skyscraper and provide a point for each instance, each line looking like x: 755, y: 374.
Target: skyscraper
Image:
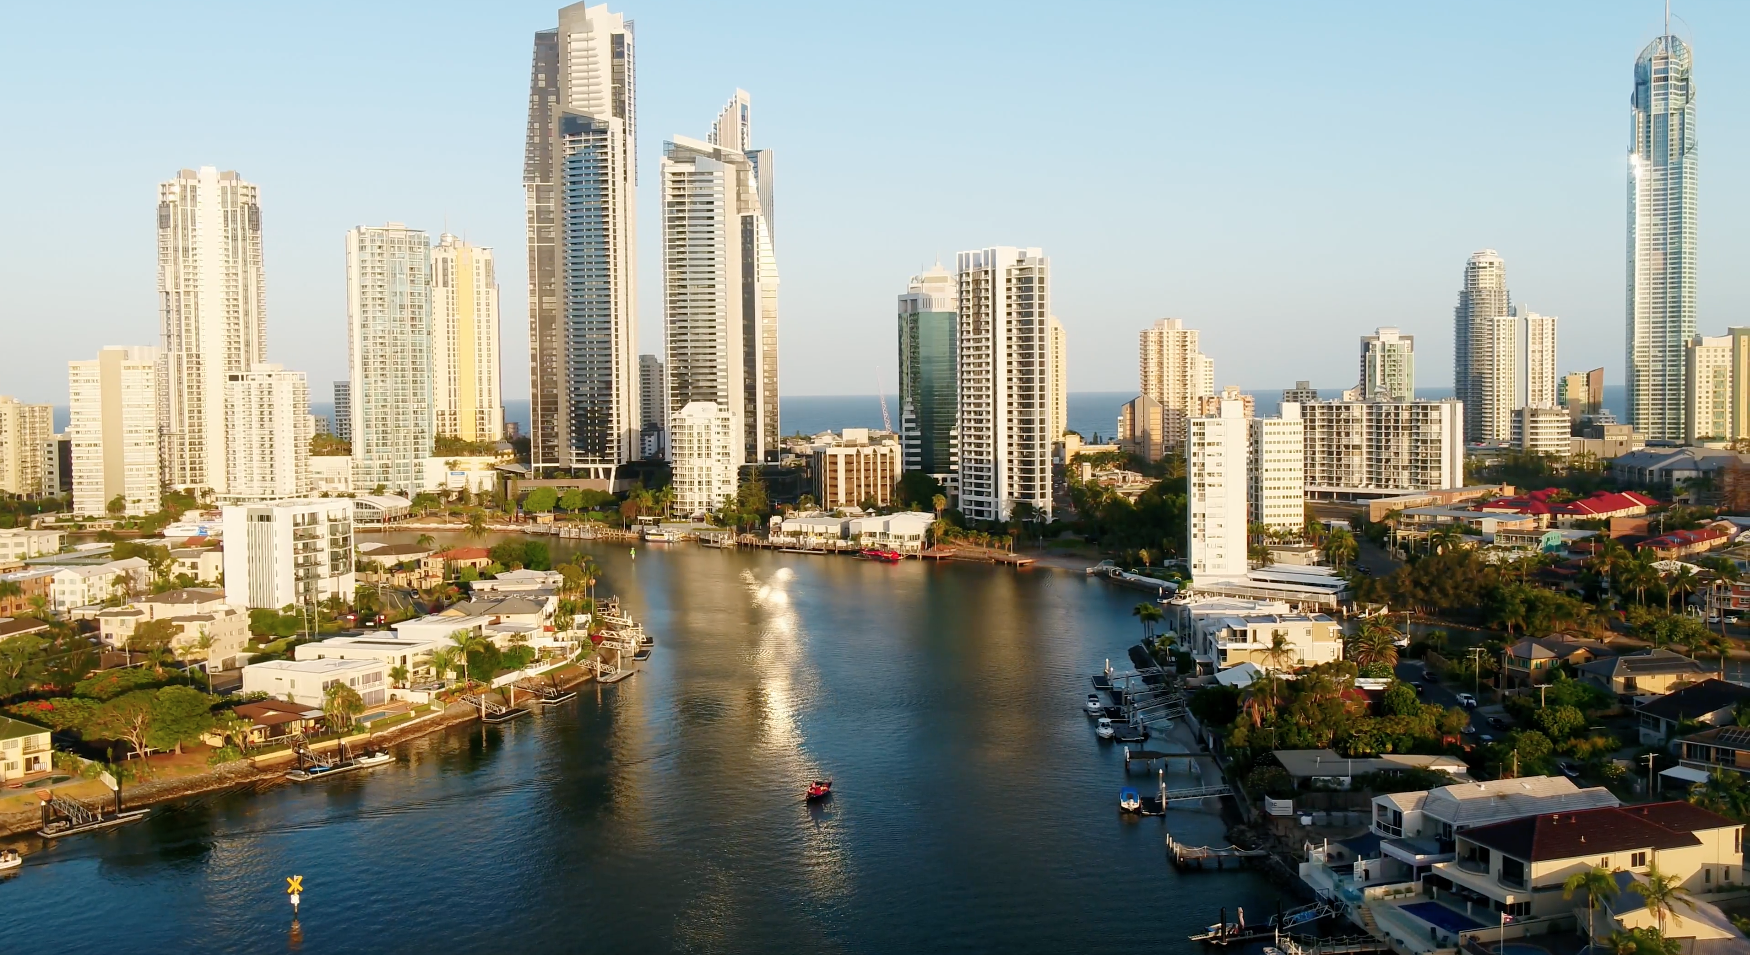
x: 1173, y: 372
x: 928, y: 369
x: 1661, y: 237
x: 1582, y: 392
x: 113, y: 427
x: 212, y: 312
x: 466, y: 398
x: 580, y: 184
x: 652, y: 406
x: 1537, y: 378
x: 1276, y: 471
x: 267, y: 415
x: 1388, y: 365
x: 388, y: 320
x: 1707, y: 389
x: 1216, y: 453
x: 1059, y: 380
x: 719, y: 281
x: 343, y: 410
x: 1485, y: 342
x: 1004, y: 297
x: 25, y: 432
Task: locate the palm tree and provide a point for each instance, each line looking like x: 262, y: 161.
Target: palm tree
x: 340, y: 705
x: 1595, y: 882
x: 466, y: 642
x: 398, y: 676
x: 426, y: 540
x: 1682, y: 584
x: 940, y: 503
x: 443, y: 662
x: 205, y: 643
x: 1444, y: 538
x: 1663, y: 894
x: 1281, y: 651
x: 1148, y: 613
x: 477, y: 525
x: 1340, y: 547
x: 1374, y: 642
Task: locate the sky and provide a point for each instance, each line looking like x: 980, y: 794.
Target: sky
x: 1283, y: 176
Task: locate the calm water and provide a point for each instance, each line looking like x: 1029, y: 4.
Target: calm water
x: 975, y: 810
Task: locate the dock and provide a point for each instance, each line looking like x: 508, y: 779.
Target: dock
x: 1196, y: 857
x: 65, y: 816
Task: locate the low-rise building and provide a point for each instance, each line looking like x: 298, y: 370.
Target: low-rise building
x: 1325, y: 767
x: 197, y: 615
x: 1220, y: 632
x: 33, y: 582
x: 451, y: 562
x: 856, y: 471
x: 1664, y: 469
x: 307, y: 681
x: 276, y: 719
x: 1653, y: 673
x: 808, y: 529
x: 1712, y: 702
x: 331, y: 474
x: 203, y: 564
x: 23, y: 543
x: 907, y: 531
x: 1723, y: 747
x: 1550, y: 540
x: 390, y: 649
x: 84, y: 586
x: 24, y: 749
x: 1534, y: 661
x: 1686, y: 543
x: 281, y: 553
x: 518, y: 581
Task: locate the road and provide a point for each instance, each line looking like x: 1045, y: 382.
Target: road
x: 1447, y: 695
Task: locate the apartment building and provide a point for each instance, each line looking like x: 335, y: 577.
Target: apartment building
x: 465, y: 387
x: 1707, y: 389
x: 1364, y: 449
x: 197, y: 614
x: 296, y: 552
x: 1216, y: 450
x: 1388, y: 365
x: 113, y: 427
x: 1542, y: 431
x: 856, y: 471
x: 704, y: 445
x: 928, y: 370
x: 267, y: 421
x: 1005, y: 382
x: 88, y: 585
x: 1276, y: 471
x: 25, y: 431
x: 23, y: 543
x: 1174, y: 373
x: 388, y: 312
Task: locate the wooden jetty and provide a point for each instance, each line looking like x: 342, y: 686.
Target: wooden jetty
x: 493, y: 712
x: 1189, y: 857
x: 66, y: 816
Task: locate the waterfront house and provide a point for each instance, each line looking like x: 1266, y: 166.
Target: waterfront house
x: 807, y: 529
x: 24, y: 749
x: 1653, y: 673
x: 274, y: 719
x: 1712, y: 702
x: 1723, y: 747
x: 1518, y: 866
x: 1324, y: 767
x: 906, y: 531
x: 194, y: 612
x: 531, y: 609
x: 390, y: 649
x: 1695, y: 924
x: 1534, y: 661
x: 1220, y: 632
x: 1415, y: 830
x: 449, y: 563
x: 306, y: 681
x: 518, y: 581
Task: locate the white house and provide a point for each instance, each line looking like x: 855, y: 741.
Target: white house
x: 196, y: 613
x: 204, y: 564
x: 307, y: 681
x: 906, y: 531
x: 808, y: 529
x: 20, y: 543
x: 390, y: 649
x: 1220, y: 632
x: 84, y: 586
x: 517, y: 581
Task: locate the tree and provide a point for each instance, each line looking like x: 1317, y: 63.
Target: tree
x: 915, y: 489
x: 1148, y: 613
x: 180, y: 714
x: 1281, y: 652
x: 466, y: 642
x: 1596, y: 883
x: 341, y: 704
x: 571, y: 500
x: 1725, y: 793
x: 1641, y: 941
x: 1560, y: 722
x: 127, y: 718
x: 443, y: 662
x: 398, y: 676
x: 117, y: 505
x: 1400, y: 700
x: 426, y: 541
x: 541, y: 500
x: 476, y: 525
x: 1340, y: 547
x: 1375, y: 642
x: 1663, y: 894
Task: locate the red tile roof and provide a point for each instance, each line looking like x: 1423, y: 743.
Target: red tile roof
x: 465, y: 553
x: 1684, y: 538
x: 1590, y: 832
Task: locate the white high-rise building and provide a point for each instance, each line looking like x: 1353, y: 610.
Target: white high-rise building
x: 297, y: 553
x: 703, y: 448
x: 113, y: 427
x: 580, y: 191
x: 343, y: 410
x: 388, y: 317
x: 1482, y: 378
x: 1543, y: 431
x: 1388, y: 365
x: 1276, y: 471
x: 467, y: 402
x: 652, y: 407
x: 25, y: 431
x: 1363, y: 449
x: 1707, y: 385
x: 719, y: 280
x: 1538, y: 378
x: 267, y: 415
x: 1059, y: 380
x: 1174, y: 373
x: 1216, y: 452
x: 212, y: 312
x: 1662, y: 207
x: 1004, y: 298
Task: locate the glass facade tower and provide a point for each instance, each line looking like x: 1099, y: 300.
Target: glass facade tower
x: 929, y: 393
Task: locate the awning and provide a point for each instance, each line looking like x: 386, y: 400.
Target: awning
x: 1688, y: 775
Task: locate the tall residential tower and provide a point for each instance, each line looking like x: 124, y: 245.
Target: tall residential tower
x: 388, y: 320
x: 928, y: 388
x: 579, y: 185
x: 1485, y: 346
x: 1004, y: 298
x: 466, y: 401
x: 1661, y: 237
x: 1174, y: 373
x: 1388, y: 365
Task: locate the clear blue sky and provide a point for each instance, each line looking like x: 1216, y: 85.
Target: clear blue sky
x: 1284, y: 177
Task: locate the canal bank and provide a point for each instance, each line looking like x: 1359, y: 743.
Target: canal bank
x: 974, y: 809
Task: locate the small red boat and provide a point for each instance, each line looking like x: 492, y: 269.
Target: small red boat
x: 819, y: 789
x: 885, y: 556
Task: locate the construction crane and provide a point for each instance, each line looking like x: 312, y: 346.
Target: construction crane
x: 880, y: 392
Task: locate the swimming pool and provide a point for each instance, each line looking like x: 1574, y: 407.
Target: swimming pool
x: 1444, y: 918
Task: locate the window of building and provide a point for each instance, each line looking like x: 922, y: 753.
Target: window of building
x: 1637, y: 859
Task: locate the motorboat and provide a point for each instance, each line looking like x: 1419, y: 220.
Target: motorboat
x: 819, y: 789
x: 885, y: 556
x: 10, y: 859
x: 646, y: 640
x: 1095, y: 707
x: 377, y: 758
x: 1272, y: 950
x: 642, y: 653
x: 1129, y: 800
x: 1104, y: 729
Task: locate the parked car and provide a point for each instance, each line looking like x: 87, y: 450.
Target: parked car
x: 1467, y: 701
x: 1569, y: 770
x: 1497, y: 722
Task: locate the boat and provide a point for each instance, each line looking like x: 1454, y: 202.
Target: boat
x: 885, y: 556
x: 10, y: 859
x: 614, y: 677
x: 320, y: 771
x: 642, y: 653
x: 1272, y: 950
x: 820, y: 789
x: 377, y: 758
x: 1129, y: 800
x: 1129, y: 732
x: 1094, y: 706
x: 1104, y: 728
x: 646, y: 640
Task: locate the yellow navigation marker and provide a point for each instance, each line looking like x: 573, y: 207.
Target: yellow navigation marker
x: 295, y: 885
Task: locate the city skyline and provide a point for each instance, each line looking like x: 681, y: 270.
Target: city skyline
x: 1574, y: 180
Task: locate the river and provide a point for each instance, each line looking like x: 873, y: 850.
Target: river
x: 974, y: 807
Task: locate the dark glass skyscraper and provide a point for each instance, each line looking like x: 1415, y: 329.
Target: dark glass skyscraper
x: 928, y: 374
